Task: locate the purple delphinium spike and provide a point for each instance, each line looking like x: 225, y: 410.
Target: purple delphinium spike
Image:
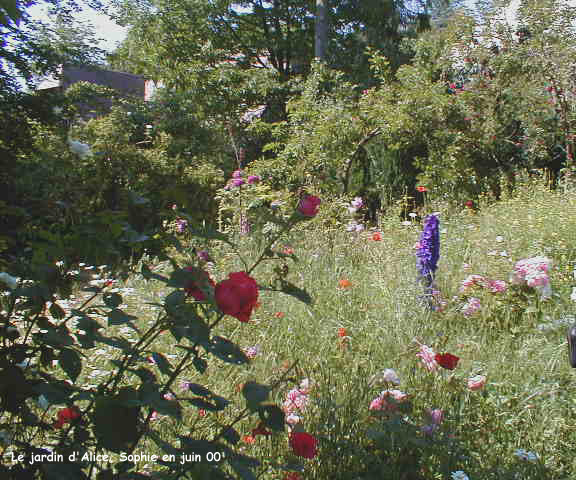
x: 428, y: 252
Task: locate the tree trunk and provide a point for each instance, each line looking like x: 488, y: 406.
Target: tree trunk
x: 321, y: 33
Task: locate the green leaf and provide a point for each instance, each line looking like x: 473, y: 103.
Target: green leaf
x: 71, y: 363
x: 255, y: 394
x: 210, y: 234
x: 145, y: 375
x: 272, y: 416
x: 243, y: 471
x: 118, y: 317
x: 150, y: 396
x: 226, y: 351
x: 57, y: 311
x: 115, y: 425
x: 162, y: 363
x: 291, y: 289
x: 112, y: 300
x: 148, y: 274
x: 200, y: 364
x: 56, y: 338
x: 199, y: 390
x: 231, y: 436
x: 163, y: 445
x: 174, y: 300
x: 203, y: 404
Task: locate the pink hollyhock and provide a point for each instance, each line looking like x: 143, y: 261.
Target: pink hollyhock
x: 308, y: 205
x: 477, y: 382
x: 428, y: 357
x: 303, y: 444
x: 237, y: 296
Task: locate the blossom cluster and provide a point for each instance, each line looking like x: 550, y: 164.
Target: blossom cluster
x: 296, y: 401
x: 534, y: 273
x: 237, y: 180
x: 495, y: 286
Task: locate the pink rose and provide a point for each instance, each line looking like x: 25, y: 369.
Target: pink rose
x: 477, y: 382
x: 237, y: 296
x: 308, y: 205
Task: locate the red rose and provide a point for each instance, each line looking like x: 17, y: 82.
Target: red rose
x: 66, y: 415
x: 303, y: 444
x: 193, y: 288
x: 469, y: 204
x: 308, y: 205
x: 446, y: 360
x: 237, y: 296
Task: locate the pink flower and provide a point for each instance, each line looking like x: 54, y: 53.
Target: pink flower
x: 252, y: 179
x: 388, y: 400
x: 376, y: 404
x: 237, y: 174
x: 238, y: 182
x: 308, y: 205
x: 436, y: 415
x: 292, y: 419
x: 203, y: 255
x: 252, y: 352
x: 471, y: 280
x: 477, y: 382
x: 296, y: 399
x: 472, y: 306
x: 428, y: 357
x: 497, y: 286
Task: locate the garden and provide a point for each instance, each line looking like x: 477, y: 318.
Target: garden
x: 353, y: 270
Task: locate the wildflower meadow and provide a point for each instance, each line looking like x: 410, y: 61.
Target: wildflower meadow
x: 428, y: 349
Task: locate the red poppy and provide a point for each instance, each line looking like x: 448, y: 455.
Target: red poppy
x: 249, y: 439
x: 303, y: 444
x: 446, y: 360
x: 66, y: 415
x: 377, y: 236
x: 421, y: 189
x: 344, y: 283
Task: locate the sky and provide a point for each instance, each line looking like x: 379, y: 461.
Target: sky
x: 110, y: 33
